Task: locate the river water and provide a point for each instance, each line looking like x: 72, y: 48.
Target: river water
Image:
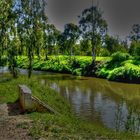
x: 111, y: 104
x: 114, y: 105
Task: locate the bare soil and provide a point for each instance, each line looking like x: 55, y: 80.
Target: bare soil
x: 13, y: 125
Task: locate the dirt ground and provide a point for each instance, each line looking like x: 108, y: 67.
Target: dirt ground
x: 13, y: 125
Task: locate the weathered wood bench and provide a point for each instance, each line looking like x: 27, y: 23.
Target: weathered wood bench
x: 31, y: 103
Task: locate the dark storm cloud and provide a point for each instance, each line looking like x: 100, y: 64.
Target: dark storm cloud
x: 120, y: 14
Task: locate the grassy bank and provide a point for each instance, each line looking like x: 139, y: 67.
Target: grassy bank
x: 64, y: 126
x: 63, y: 64
x: 119, y: 67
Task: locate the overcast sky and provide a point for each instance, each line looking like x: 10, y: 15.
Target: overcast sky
x: 120, y: 14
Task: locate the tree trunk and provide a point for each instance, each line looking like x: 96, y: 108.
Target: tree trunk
x: 93, y: 53
x: 30, y: 67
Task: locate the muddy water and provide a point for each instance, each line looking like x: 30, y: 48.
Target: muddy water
x: 114, y: 105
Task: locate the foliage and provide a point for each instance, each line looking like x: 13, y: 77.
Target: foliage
x: 114, y: 44
x: 122, y: 67
x: 129, y: 72
x: 64, y: 64
x: 3, y: 61
x: 103, y: 52
x: 135, y: 33
x: 135, y: 48
x: 120, y: 57
x: 71, y: 35
x: 93, y: 27
x: 51, y: 39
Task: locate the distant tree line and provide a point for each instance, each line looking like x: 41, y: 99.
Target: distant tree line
x: 24, y: 30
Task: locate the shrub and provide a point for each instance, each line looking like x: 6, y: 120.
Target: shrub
x: 129, y: 72
x: 103, y: 72
x: 120, y: 57
x: 77, y: 72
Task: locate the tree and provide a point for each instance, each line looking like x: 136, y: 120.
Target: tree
x: 135, y: 48
x: 52, y: 35
x: 13, y: 52
x: 6, y: 16
x: 8, y: 39
x: 111, y: 43
x: 61, y: 43
x: 93, y: 27
x: 135, y: 33
x: 85, y: 47
x: 71, y: 35
x: 33, y: 18
x: 135, y: 40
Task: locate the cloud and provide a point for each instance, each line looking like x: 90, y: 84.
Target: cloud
x: 120, y: 14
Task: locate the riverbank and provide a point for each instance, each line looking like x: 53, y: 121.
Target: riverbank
x: 49, y: 126
x: 120, y: 67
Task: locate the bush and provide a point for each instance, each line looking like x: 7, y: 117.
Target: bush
x: 129, y: 72
x: 77, y: 72
x: 103, y: 72
x: 120, y: 57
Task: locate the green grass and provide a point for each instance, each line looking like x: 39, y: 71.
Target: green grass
x: 61, y: 127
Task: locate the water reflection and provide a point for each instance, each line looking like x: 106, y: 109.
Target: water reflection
x: 105, y: 102
x: 3, y: 70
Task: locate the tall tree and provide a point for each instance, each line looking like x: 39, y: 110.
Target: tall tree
x: 6, y: 16
x: 34, y: 16
x: 93, y: 27
x: 71, y: 35
x: 8, y: 40
x: 13, y: 51
x: 52, y: 35
x: 111, y: 43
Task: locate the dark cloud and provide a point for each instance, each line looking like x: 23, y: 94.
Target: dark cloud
x: 120, y: 14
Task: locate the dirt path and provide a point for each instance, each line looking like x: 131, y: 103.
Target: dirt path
x: 13, y: 126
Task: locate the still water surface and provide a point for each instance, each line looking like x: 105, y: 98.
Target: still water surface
x: 114, y: 105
